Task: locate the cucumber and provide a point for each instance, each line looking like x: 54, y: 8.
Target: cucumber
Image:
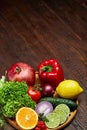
x: 56, y: 101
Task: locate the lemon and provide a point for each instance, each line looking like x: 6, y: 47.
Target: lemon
x: 69, y: 89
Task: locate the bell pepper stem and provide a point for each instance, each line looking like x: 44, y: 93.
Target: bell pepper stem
x: 47, y: 68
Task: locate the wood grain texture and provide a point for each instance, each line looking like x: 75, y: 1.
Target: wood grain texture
x: 31, y: 31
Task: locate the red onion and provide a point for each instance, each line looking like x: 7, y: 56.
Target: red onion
x: 44, y: 107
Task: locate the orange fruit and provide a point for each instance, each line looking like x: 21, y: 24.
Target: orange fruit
x: 26, y: 118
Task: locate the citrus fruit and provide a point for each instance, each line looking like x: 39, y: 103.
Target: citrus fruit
x: 26, y: 118
x: 64, y: 108
x: 53, y: 120
x: 69, y: 89
x: 62, y: 115
x: 63, y: 111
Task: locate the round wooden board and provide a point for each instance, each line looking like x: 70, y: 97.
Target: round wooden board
x: 71, y: 117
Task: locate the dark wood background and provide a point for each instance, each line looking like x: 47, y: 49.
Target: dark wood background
x: 34, y: 30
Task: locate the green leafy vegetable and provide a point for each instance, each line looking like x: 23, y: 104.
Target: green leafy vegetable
x: 2, y: 120
x: 13, y: 95
x: 2, y: 80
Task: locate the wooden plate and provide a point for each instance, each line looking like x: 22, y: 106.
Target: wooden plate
x: 70, y: 118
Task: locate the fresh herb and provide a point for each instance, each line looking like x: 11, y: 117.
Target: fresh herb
x: 42, y: 117
x: 2, y: 120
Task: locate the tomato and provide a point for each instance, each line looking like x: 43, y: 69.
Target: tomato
x: 35, y: 94
x: 40, y: 126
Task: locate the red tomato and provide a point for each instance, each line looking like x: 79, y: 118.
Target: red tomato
x: 40, y: 126
x: 34, y: 94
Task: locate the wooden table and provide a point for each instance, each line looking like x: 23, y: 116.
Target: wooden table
x: 31, y: 31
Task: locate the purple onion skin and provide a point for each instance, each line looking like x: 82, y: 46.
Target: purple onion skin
x: 44, y: 107
x: 47, y: 90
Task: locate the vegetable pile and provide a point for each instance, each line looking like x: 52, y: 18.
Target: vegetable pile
x: 19, y: 88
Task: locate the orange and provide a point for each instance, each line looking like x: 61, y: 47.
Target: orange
x: 26, y: 118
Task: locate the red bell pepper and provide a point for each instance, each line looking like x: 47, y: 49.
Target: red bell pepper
x: 50, y: 72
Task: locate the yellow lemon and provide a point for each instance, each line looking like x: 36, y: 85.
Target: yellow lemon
x: 69, y: 89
